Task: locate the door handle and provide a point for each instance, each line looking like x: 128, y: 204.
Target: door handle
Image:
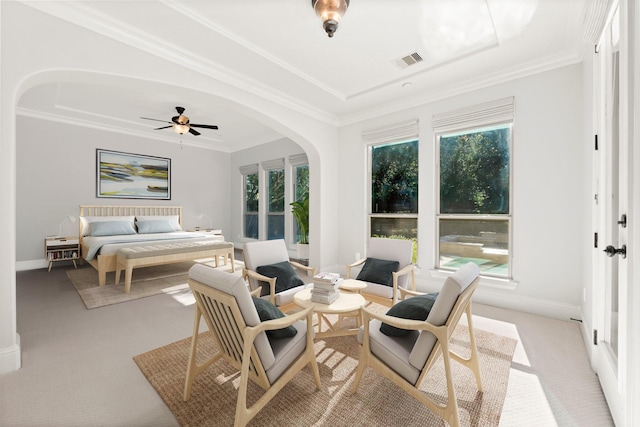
x: 612, y: 251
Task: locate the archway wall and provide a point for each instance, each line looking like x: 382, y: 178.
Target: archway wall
x: 99, y: 60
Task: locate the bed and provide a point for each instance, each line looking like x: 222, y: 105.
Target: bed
x: 104, y: 230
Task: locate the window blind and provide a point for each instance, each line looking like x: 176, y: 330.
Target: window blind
x: 298, y: 159
x: 498, y: 111
x: 249, y: 169
x: 273, y: 164
x: 392, y: 133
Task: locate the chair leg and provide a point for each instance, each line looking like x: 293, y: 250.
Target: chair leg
x: 193, y: 369
x: 474, y: 363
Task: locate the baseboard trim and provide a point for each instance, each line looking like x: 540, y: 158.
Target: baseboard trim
x: 10, y: 359
x: 33, y: 264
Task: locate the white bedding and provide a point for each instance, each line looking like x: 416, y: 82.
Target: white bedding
x: 107, y: 245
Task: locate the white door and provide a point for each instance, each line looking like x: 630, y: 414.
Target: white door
x: 611, y: 271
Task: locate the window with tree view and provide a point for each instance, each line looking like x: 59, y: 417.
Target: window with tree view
x: 251, y: 199
x: 275, y: 204
x: 474, y: 218
x: 301, y: 191
x: 394, y: 191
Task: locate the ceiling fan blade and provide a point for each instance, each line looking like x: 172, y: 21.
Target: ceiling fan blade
x: 193, y: 132
x: 164, y: 127
x: 180, y: 110
x: 205, y: 126
x: 147, y: 118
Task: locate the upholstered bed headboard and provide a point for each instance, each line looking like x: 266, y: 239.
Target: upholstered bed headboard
x: 115, y: 211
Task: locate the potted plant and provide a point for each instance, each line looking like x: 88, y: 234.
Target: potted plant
x: 300, y: 211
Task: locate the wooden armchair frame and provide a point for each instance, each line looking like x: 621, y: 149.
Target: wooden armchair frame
x: 448, y: 412
x: 250, y: 274
x: 235, y: 343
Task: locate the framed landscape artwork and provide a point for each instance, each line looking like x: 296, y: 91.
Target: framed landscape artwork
x: 132, y: 176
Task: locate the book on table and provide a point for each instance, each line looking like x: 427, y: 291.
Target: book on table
x: 327, y: 286
x: 326, y: 277
x: 322, y: 298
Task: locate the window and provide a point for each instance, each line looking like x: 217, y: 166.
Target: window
x: 394, y: 191
x: 300, y: 169
x: 275, y: 204
x: 251, y: 201
x: 474, y: 213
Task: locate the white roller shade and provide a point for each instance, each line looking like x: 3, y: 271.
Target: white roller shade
x: 488, y: 113
x: 392, y: 133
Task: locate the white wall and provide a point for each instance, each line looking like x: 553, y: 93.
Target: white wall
x: 56, y: 172
x: 551, y: 191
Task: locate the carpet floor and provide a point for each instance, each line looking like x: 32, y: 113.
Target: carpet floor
x: 378, y: 402
x: 146, y: 281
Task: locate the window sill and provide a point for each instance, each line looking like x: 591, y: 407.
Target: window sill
x: 485, y: 281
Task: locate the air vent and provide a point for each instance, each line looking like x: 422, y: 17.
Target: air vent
x: 405, y: 61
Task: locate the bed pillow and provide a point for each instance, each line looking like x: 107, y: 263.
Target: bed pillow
x: 378, y: 271
x: 88, y: 220
x: 172, y: 219
x: 287, y: 277
x: 267, y: 311
x: 155, y: 226
x: 416, y: 308
x: 111, y: 228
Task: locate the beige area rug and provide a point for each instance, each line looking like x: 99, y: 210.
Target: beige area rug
x: 146, y: 281
x: 378, y: 402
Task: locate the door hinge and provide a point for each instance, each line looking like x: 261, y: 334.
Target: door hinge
x: 596, y: 142
x: 595, y: 240
x: 595, y: 337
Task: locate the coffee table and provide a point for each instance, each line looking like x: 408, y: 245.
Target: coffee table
x: 345, y: 303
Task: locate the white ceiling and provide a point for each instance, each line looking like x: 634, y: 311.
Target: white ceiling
x: 279, y: 49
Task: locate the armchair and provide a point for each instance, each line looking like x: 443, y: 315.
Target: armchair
x: 242, y: 341
x: 405, y: 360
x: 267, y: 267
x: 376, y: 273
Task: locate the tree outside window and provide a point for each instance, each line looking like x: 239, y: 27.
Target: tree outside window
x: 474, y: 219
x: 251, y: 198
x: 394, y: 191
x: 275, y: 205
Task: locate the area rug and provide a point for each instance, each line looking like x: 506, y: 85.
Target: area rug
x: 378, y: 402
x: 145, y: 282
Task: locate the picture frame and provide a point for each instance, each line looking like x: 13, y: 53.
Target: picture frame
x: 132, y: 176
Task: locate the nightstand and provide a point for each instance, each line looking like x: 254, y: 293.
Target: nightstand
x: 61, y: 249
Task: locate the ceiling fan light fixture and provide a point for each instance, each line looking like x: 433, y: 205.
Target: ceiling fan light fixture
x: 180, y: 128
x: 330, y: 12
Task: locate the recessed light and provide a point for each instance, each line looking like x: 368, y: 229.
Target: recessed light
x: 407, y: 84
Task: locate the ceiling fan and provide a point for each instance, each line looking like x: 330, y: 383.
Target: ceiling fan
x: 180, y: 124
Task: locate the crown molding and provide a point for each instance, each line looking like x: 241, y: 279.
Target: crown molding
x: 502, y: 76
x: 92, y: 20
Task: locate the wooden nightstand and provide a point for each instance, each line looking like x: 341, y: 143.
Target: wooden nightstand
x: 61, y: 249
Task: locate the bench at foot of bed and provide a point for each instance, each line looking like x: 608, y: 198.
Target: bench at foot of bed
x: 167, y: 253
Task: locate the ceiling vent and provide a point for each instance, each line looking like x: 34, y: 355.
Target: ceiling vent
x: 405, y: 61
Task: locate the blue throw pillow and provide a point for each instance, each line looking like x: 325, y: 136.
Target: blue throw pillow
x: 378, y: 271
x: 287, y: 277
x: 111, y: 228
x: 267, y: 311
x: 416, y: 308
x: 154, y: 226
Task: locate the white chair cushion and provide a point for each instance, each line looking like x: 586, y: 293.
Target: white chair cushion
x: 393, y: 351
x: 234, y: 285
x: 452, y: 288
x: 286, y: 350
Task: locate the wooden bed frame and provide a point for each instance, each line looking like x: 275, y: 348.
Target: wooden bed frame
x: 107, y: 263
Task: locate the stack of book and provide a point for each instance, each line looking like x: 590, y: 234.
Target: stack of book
x: 325, y: 287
